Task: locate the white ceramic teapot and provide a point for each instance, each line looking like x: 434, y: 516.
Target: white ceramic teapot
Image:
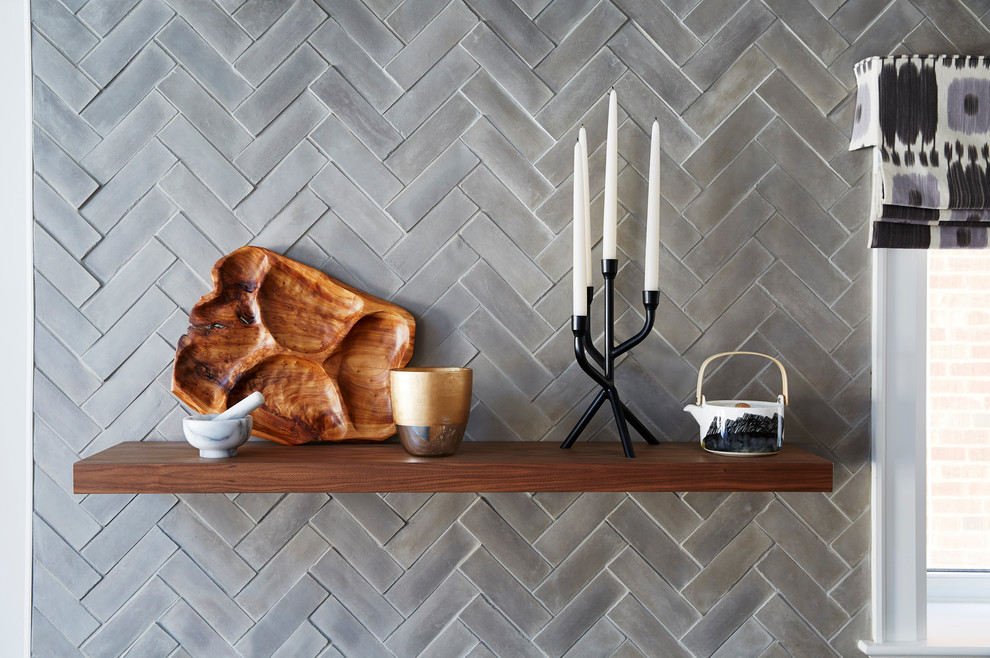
x: 747, y: 428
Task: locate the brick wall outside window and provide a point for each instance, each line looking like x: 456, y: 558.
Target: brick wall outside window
x: 959, y: 410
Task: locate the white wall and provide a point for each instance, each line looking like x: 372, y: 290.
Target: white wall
x: 15, y: 330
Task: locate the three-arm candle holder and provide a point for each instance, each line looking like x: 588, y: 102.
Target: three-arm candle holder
x: 603, y: 370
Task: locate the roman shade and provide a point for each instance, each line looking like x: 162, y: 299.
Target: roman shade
x: 927, y: 118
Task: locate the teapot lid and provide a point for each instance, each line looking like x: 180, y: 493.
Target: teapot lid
x: 743, y: 404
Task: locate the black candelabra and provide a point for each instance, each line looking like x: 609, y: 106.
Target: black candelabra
x: 603, y: 369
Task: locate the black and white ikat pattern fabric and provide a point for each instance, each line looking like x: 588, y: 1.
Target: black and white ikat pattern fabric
x: 927, y: 117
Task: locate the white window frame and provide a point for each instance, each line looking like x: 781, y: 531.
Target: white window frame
x: 958, y: 587
x: 900, y: 382
x: 16, y: 299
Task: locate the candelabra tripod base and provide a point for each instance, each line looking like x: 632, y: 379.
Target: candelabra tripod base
x: 602, y: 372
x: 623, y: 418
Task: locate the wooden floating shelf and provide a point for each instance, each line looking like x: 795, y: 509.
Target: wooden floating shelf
x: 175, y: 467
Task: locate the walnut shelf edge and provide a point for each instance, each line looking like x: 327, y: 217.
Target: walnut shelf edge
x: 175, y: 467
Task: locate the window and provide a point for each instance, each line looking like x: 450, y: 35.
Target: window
x: 958, y: 441
x: 958, y: 453
x: 900, y: 585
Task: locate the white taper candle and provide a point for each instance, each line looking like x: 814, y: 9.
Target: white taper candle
x: 611, y: 180
x: 651, y: 280
x: 583, y: 139
x: 580, y: 250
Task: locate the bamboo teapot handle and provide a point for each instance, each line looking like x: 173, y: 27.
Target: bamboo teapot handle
x: 783, y: 373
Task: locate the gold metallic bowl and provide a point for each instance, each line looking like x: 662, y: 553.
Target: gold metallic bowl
x: 431, y: 408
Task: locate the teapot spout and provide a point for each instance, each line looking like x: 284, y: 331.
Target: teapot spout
x: 703, y: 414
x: 696, y: 411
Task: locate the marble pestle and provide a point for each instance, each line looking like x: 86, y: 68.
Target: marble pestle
x: 242, y: 408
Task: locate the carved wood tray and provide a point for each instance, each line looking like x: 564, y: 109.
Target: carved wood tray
x: 319, y: 350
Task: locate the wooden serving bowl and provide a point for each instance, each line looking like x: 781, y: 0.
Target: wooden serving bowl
x: 319, y: 350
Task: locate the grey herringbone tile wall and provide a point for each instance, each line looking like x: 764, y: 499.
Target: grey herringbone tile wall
x: 420, y: 150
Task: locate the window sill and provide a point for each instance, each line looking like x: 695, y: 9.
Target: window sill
x: 954, y: 629
x: 915, y: 649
